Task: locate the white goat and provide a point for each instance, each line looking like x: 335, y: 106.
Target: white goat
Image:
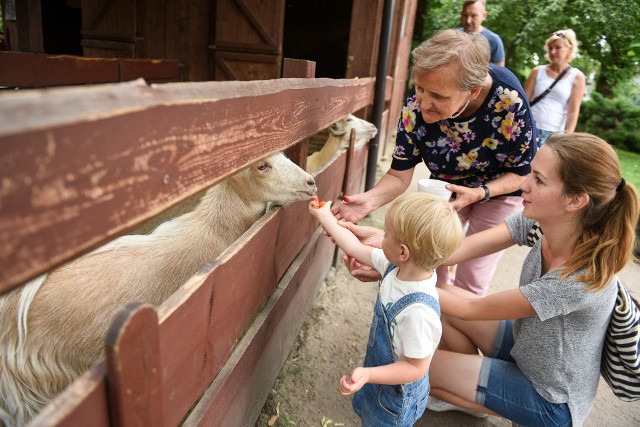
x: 338, y: 139
x: 53, y: 328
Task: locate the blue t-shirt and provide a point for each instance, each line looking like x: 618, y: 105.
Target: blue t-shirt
x: 496, y: 47
x: 498, y: 138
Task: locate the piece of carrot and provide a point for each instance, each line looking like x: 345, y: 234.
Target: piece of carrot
x: 317, y: 204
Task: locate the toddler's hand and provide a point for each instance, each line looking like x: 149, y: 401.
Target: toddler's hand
x: 350, y: 384
x: 318, y: 207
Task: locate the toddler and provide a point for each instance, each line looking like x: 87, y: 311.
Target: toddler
x: 421, y: 231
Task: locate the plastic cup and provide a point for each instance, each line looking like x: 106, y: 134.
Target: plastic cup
x: 435, y: 187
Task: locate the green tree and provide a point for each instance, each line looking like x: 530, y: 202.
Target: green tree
x: 607, y: 31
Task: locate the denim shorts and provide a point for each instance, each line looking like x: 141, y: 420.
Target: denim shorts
x: 504, y: 389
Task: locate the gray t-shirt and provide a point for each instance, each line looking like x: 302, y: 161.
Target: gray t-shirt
x: 559, y: 349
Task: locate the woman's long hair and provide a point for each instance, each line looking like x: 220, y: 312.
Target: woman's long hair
x: 587, y: 164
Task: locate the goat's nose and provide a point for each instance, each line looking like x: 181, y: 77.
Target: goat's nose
x: 311, y: 182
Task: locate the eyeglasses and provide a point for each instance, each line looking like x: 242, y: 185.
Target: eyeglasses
x: 563, y: 35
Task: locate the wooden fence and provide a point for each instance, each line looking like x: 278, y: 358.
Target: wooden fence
x: 82, y: 165
x: 37, y: 70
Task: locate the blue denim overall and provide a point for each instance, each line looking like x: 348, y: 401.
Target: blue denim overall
x: 391, y: 405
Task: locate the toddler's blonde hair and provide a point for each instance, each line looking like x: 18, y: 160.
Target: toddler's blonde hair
x: 428, y: 225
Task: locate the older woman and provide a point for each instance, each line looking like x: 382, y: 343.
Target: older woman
x: 471, y: 125
x: 543, y: 368
x: 558, y: 109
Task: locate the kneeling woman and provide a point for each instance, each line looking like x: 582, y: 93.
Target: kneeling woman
x: 543, y: 367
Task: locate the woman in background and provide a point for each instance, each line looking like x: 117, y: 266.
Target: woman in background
x: 558, y: 110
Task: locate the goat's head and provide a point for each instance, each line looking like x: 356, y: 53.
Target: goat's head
x: 279, y: 181
x: 364, y: 130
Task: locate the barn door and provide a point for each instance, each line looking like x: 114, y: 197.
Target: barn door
x: 109, y: 28
x: 247, y: 40
x: 364, y: 38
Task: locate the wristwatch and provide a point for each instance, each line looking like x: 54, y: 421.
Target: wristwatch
x: 487, y: 196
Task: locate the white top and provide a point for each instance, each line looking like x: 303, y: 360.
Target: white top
x: 417, y: 329
x: 550, y: 113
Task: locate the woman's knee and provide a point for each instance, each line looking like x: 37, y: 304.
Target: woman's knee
x: 467, y: 336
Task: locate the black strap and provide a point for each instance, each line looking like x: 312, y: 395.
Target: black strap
x: 543, y: 94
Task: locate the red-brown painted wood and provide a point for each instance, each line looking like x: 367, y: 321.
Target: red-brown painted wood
x: 133, y: 367
x: 204, y: 322
x: 297, y: 225
x: 399, y: 66
x: 83, y: 403
x: 239, y: 391
x: 74, y: 179
x: 20, y: 69
x: 356, y: 167
x: 25, y: 70
x: 306, y: 69
x: 220, y: 304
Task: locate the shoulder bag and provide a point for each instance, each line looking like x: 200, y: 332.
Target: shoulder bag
x: 543, y: 94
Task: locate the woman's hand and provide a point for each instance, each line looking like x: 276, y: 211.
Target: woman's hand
x: 350, y: 384
x: 465, y: 196
x: 369, y: 236
x: 352, y: 208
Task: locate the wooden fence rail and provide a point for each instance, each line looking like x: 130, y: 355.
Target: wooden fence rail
x: 80, y: 166
x: 37, y: 70
x: 83, y: 165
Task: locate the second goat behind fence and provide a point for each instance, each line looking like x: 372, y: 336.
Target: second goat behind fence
x: 338, y: 139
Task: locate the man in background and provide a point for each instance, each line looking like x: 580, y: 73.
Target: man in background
x: 472, y: 16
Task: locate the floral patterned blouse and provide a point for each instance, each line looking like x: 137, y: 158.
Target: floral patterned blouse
x: 471, y: 151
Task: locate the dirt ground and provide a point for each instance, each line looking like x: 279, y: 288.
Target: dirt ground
x: 332, y: 342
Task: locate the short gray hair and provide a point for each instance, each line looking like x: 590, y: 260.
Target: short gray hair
x: 469, y: 50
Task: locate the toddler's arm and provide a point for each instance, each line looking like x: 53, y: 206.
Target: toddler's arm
x: 400, y: 372
x: 343, y: 237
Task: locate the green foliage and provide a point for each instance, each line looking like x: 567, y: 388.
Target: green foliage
x: 615, y: 120
x: 607, y: 32
x: 629, y: 90
x: 630, y: 165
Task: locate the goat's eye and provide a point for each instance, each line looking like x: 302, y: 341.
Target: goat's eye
x: 263, y: 166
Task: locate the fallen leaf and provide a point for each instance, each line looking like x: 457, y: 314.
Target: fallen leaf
x: 326, y: 422
x: 273, y: 419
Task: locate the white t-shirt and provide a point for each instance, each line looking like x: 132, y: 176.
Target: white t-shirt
x: 417, y: 329
x: 550, y: 113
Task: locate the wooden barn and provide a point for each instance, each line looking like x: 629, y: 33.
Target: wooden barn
x: 114, y: 111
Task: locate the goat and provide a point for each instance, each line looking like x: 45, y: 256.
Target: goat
x: 63, y: 317
x: 338, y: 139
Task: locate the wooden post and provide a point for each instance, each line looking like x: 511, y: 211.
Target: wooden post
x: 303, y: 69
x: 133, y: 374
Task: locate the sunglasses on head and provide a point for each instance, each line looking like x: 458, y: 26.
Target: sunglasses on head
x: 563, y: 35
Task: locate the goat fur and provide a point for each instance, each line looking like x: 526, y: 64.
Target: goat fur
x: 338, y: 139
x: 53, y: 328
